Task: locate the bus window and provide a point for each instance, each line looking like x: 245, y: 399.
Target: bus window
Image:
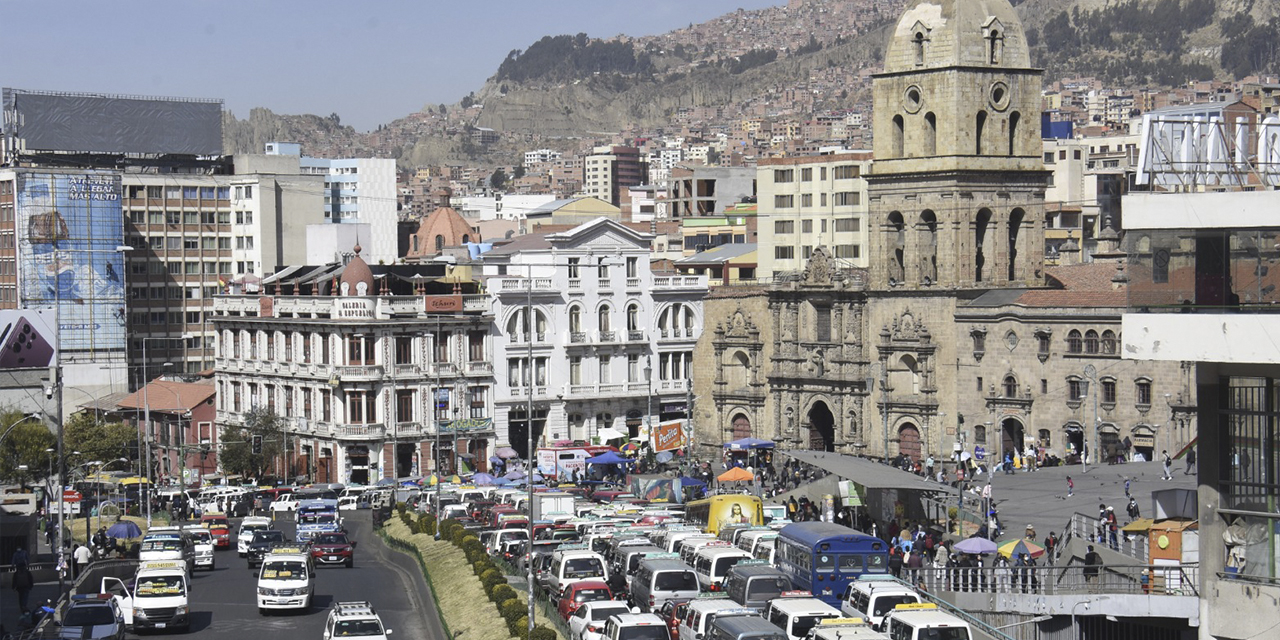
x: 850, y: 562
x: 824, y: 562
x: 876, y: 564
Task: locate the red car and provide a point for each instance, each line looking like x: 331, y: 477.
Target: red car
x: 579, y: 592
x: 333, y: 548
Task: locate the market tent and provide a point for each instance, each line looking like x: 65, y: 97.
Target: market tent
x: 609, y: 433
x: 608, y: 457
x: 736, y: 474
x: 749, y: 443
x: 686, y: 481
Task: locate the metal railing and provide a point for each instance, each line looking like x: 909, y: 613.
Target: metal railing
x: 1072, y: 579
x: 1085, y: 527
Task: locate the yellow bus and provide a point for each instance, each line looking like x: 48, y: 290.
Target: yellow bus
x: 717, y: 511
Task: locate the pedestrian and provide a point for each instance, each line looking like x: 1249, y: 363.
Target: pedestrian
x: 928, y: 466
x: 1134, y: 512
x: 1030, y: 534
x: 1050, y: 543
x: 23, y: 582
x: 895, y: 562
x: 81, y: 557
x: 1008, y: 463
x: 1071, y: 486
x: 1092, y: 564
x: 1168, y: 466
x: 1126, y: 488
x: 20, y: 558
x: 1191, y: 461
x: 1113, y: 529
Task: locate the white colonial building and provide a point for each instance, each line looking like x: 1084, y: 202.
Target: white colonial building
x: 611, y: 343
x: 375, y: 370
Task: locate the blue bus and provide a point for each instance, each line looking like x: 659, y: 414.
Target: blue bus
x: 823, y: 558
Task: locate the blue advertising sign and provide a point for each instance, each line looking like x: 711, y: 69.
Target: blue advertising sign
x: 69, y: 228
x: 979, y: 452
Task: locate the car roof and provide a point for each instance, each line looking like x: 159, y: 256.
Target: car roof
x: 706, y: 605
x: 638, y: 619
x: 803, y: 605
x: 918, y: 617
x: 589, y: 584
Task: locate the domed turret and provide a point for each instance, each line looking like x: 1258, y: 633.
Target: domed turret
x: 357, y: 278
x: 945, y: 33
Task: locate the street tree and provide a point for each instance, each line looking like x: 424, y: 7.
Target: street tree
x: 498, y: 180
x: 98, y: 440
x: 237, y: 454
x: 24, y: 447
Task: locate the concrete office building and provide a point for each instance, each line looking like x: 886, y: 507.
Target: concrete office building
x: 812, y: 201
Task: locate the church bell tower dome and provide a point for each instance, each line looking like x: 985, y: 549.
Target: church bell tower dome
x: 947, y: 33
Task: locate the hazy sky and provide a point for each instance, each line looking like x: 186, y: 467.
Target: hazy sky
x: 370, y: 61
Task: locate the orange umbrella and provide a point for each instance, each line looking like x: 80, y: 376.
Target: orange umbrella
x: 736, y: 474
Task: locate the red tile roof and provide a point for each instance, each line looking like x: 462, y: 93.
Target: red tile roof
x: 1078, y: 286
x: 167, y: 396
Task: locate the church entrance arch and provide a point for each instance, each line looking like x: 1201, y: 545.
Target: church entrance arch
x: 741, y: 427
x: 822, y: 428
x: 909, y: 441
x: 1012, y: 439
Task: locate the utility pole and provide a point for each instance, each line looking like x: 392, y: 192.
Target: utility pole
x: 528, y: 306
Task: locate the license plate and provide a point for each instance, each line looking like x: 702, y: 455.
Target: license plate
x: 160, y: 625
x: 333, y: 558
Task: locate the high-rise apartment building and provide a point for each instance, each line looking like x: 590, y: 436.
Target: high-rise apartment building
x: 609, y: 170
x: 812, y: 201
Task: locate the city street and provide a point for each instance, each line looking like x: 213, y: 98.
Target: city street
x: 223, y: 601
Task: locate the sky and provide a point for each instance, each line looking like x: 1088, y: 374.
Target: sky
x: 369, y: 61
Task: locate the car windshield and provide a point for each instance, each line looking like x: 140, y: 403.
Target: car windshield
x: 354, y: 628
x: 600, y: 614
x: 282, y: 570
x: 250, y: 528
x: 591, y: 595
x: 331, y: 538
x: 802, y: 624
x: 766, y: 588
x: 885, y: 604
x: 944, y: 633
x: 91, y: 615
x: 723, y: 565
x: 201, y: 537
x: 268, y: 536
x: 161, y: 545
x: 315, y: 518
x: 583, y: 568
x: 160, y: 586
x: 650, y: 632
x: 675, y: 581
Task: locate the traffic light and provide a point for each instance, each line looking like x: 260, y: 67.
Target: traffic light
x: 257, y: 445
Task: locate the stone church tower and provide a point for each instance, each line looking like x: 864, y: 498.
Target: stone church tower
x: 957, y: 189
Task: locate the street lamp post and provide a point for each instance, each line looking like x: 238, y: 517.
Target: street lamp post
x: 1091, y: 373
x: 1075, y: 630
x: 648, y: 383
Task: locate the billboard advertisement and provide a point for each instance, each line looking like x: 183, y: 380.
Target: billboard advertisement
x: 90, y: 122
x: 69, y: 228
x: 669, y: 435
x: 27, y: 339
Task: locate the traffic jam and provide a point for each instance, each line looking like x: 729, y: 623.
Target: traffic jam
x: 614, y: 566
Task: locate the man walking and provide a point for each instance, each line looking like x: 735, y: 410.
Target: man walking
x: 1168, y: 466
x: 1134, y: 512
x: 1191, y: 461
x: 1092, y: 564
x: 81, y: 557
x: 1071, y: 486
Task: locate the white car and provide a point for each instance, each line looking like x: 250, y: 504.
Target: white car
x: 202, y: 541
x: 287, y: 502
x: 354, y: 619
x: 587, y: 623
x: 248, y: 527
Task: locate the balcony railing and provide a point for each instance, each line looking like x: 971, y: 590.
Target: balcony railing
x: 633, y: 283
x: 635, y: 336
x: 408, y: 428
x: 407, y: 370
x: 1063, y: 580
x: 510, y: 285
x: 608, y: 336
x: 675, y: 334
x: 479, y: 366
x: 577, y: 337
x: 679, y: 282
x: 359, y: 372
x: 359, y: 431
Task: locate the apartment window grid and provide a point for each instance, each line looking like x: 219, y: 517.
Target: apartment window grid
x: 1249, y: 421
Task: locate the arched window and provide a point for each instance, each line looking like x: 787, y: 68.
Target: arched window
x: 466, y: 237
x: 980, y: 124
x: 1091, y: 341
x: 980, y: 434
x: 633, y: 317
x: 1109, y: 342
x: 1014, y: 119
x: 979, y: 237
x: 918, y: 41
x: 518, y: 327
x: 994, y: 42
x: 575, y: 319
x: 1074, y: 344
x: 1010, y: 387
x: 898, y: 247
x: 439, y: 243
x: 898, y: 136
x: 1015, y: 228
x: 602, y: 318
x: 930, y: 134
x: 928, y: 247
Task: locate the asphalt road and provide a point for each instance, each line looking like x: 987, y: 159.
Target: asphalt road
x: 224, y: 601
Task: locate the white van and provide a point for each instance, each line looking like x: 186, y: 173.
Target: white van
x: 749, y: 539
x: 711, y: 564
x: 796, y: 616
x: 157, y: 598
x: 675, y: 541
x: 659, y: 578
x: 247, y: 528
x: 201, y: 544
x: 575, y: 563
x: 874, y: 596
x: 285, y: 580
x: 924, y: 621
x: 701, y: 611
x: 690, y: 546
x: 845, y: 629
x: 766, y: 550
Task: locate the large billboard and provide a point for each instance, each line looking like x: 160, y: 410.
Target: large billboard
x: 69, y: 229
x: 97, y: 123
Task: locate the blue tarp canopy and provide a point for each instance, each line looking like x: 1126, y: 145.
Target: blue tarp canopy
x: 609, y: 457
x: 686, y: 481
x: 749, y: 443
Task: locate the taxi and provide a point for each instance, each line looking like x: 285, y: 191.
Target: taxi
x: 219, y: 527
x: 286, y: 579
